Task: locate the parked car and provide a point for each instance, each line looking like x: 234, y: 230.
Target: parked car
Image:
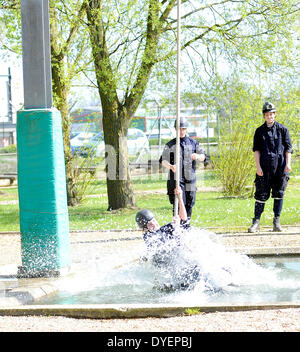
x: 79, y: 140
x: 137, y: 141
x: 94, y: 147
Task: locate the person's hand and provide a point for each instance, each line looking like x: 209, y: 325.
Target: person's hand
x: 176, y: 220
x: 288, y: 167
x: 173, y: 168
x: 178, y: 192
x: 199, y: 157
x: 259, y: 171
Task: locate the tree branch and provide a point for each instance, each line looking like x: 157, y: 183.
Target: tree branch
x: 9, y: 4
x: 149, y: 58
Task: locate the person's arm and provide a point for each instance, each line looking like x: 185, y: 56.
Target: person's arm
x: 288, y: 148
x: 288, y: 157
x: 199, y: 157
x: 257, y: 147
x: 182, y: 211
x: 167, y: 165
x: 165, y: 158
x: 259, y: 170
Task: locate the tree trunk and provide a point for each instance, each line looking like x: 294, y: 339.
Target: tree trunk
x: 119, y: 189
x: 61, y: 90
x: 60, y: 94
x: 117, y: 116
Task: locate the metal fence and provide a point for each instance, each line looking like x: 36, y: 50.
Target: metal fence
x: 8, y: 161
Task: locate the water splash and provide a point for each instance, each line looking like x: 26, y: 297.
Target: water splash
x: 201, y: 270
x: 202, y: 263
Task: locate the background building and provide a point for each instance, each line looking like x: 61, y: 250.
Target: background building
x: 7, y: 120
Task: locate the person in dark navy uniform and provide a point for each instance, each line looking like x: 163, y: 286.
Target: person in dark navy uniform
x: 163, y: 247
x: 157, y: 236
x: 190, y: 153
x: 272, y: 149
x: 166, y: 247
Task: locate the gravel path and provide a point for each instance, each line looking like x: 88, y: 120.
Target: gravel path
x: 281, y: 320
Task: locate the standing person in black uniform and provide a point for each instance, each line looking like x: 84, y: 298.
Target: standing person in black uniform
x: 190, y: 152
x: 272, y: 148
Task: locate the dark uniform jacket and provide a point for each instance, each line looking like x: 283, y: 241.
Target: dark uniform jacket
x: 163, y: 242
x: 164, y: 245
x: 272, y: 143
x: 188, y: 146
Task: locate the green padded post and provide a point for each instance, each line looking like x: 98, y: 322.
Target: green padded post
x: 44, y: 222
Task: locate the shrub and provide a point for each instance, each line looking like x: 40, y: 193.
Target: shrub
x: 235, y: 165
x: 9, y: 149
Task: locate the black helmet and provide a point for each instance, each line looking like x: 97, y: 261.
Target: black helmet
x: 183, y: 123
x: 268, y: 107
x: 143, y: 217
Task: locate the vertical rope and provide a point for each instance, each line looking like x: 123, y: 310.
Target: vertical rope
x: 177, y: 158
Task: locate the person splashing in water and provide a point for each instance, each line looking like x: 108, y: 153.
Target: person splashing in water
x: 156, y: 236
x: 164, y: 243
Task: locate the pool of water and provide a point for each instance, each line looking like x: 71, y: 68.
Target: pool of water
x: 138, y: 286
x: 224, y: 277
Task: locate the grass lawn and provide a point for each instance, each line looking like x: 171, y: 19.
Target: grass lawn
x: 212, y: 209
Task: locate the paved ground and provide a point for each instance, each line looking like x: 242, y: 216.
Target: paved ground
x: 87, y: 245
x: 281, y: 320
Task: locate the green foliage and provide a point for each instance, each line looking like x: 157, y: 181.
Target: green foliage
x: 9, y: 149
x: 10, y: 30
x: 239, y: 115
x: 239, y: 107
x: 134, y: 40
x: 211, y: 210
x: 286, y: 97
x: 81, y: 176
x: 235, y: 164
x: 192, y: 311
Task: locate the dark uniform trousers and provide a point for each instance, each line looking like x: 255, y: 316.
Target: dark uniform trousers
x: 267, y: 183
x: 188, y: 195
x: 188, y: 171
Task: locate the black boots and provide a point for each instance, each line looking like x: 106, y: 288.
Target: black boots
x: 255, y: 226
x: 276, y: 224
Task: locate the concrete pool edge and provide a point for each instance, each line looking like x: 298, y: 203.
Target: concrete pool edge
x: 134, y: 311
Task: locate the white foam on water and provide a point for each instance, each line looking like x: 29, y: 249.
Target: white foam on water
x: 199, y: 271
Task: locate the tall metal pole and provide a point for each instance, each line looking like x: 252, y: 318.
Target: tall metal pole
x: 177, y: 175
x: 159, y: 129
x: 36, y: 54
x: 9, y: 97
